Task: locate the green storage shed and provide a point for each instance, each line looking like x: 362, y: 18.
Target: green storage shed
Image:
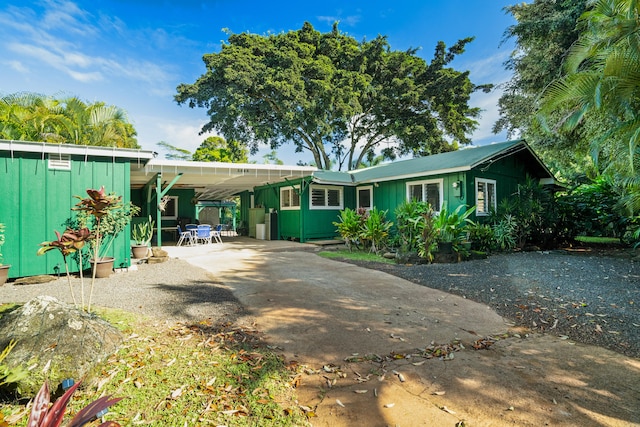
x: 38, y: 182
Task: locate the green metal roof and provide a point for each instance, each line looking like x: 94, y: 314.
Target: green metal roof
x: 454, y: 161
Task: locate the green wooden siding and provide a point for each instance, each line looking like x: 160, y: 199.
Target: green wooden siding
x: 37, y: 201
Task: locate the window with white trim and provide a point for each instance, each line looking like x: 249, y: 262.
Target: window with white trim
x: 289, y: 198
x: 170, y: 207
x: 426, y: 191
x: 485, y: 196
x: 325, y: 197
x: 364, y: 197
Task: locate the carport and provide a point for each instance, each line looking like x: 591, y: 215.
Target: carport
x: 211, y: 181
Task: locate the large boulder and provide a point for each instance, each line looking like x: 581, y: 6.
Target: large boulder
x: 55, y: 341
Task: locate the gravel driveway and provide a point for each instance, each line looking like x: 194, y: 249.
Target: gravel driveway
x: 587, y: 298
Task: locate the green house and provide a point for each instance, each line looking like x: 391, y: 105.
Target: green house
x: 38, y: 182
x: 480, y: 176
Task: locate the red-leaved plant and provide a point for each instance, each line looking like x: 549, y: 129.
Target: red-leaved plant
x: 44, y: 416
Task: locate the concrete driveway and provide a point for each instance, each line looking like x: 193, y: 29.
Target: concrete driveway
x: 320, y: 312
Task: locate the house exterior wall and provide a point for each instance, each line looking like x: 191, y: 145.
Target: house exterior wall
x: 37, y: 201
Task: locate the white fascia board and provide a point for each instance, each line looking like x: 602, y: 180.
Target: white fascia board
x: 75, y: 150
x: 415, y: 175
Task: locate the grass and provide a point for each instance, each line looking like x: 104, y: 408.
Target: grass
x: 200, y: 374
x: 356, y: 255
x: 598, y: 240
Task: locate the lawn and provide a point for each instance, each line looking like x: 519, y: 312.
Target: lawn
x: 199, y: 374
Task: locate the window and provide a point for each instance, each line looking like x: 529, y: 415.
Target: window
x: 365, y: 199
x: 325, y: 197
x: 485, y: 196
x: 59, y: 162
x: 426, y: 191
x: 170, y: 204
x: 289, y: 198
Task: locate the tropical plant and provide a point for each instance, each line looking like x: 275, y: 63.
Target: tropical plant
x: 34, y: 117
x: 71, y: 241
x: 349, y: 226
x: 504, y: 231
x: 10, y: 375
x: 450, y: 226
x: 429, y: 241
x: 44, y: 416
x: 107, y: 216
x: 142, y: 232
x: 410, y: 222
x: 375, y: 230
x: 603, y: 81
x: 481, y: 236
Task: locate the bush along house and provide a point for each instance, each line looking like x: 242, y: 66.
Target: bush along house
x: 481, y: 176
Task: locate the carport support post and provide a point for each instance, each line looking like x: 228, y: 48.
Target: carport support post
x: 160, y: 193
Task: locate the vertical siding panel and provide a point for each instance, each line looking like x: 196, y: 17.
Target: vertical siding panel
x: 10, y: 211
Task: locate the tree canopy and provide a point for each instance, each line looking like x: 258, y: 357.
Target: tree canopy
x: 334, y: 96
x: 34, y: 117
x: 217, y: 149
x: 603, y: 82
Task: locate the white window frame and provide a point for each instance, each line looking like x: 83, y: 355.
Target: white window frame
x: 292, y: 191
x: 358, y: 190
x: 423, y: 183
x: 494, y: 203
x: 326, y: 189
x: 171, y: 215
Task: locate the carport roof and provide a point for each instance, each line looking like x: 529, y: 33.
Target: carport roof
x: 214, y: 180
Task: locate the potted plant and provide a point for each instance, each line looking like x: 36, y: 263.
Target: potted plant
x: 4, y: 268
x: 449, y: 228
x: 141, y: 233
x: 107, y: 216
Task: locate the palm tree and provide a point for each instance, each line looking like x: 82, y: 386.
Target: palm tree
x: 34, y: 117
x: 603, y: 80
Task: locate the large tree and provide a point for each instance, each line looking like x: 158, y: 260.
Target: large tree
x: 34, y: 117
x: 544, y: 33
x: 334, y: 96
x: 217, y: 149
x: 603, y: 81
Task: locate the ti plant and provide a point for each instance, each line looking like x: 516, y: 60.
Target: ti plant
x: 44, y: 416
x: 69, y: 242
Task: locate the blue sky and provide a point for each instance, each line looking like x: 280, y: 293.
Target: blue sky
x: 134, y: 53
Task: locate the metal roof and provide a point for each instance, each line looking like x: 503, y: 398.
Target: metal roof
x: 436, y: 164
x: 214, y: 180
x: 43, y: 148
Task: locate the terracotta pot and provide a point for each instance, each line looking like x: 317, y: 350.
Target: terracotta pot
x: 4, y: 273
x: 139, y: 251
x: 104, y: 266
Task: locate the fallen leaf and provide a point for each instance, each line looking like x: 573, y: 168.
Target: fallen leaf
x: 445, y: 409
x: 360, y: 391
x: 339, y: 403
x: 389, y: 405
x: 439, y: 393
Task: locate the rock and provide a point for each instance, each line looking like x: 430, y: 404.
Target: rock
x: 159, y: 252
x: 55, y: 341
x: 34, y: 280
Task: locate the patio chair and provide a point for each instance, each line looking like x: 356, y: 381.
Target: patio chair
x: 217, y: 233
x: 204, y: 233
x: 185, y: 237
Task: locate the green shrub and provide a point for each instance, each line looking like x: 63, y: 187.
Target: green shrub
x: 349, y: 226
x: 481, y: 236
x: 505, y: 232
x: 410, y: 221
x: 375, y: 230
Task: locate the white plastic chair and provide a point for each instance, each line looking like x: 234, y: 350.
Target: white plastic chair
x: 185, y: 237
x: 204, y: 233
x: 217, y: 233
